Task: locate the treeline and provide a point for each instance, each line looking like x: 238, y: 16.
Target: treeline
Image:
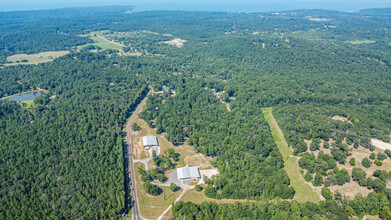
x: 63, y: 157
x: 333, y: 208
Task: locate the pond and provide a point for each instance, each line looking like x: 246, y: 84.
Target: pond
x: 25, y: 97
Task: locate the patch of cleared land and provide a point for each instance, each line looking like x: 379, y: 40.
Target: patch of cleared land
x: 102, y: 42
x: 340, y: 118
x: 152, y: 207
x: 198, y: 197
x: 34, y: 58
x: 349, y: 190
x: 360, y: 42
x: 304, y: 192
x: 317, y: 19
x: 176, y: 42
x: 380, y: 144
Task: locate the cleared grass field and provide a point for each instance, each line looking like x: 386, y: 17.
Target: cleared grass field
x: 101, y: 42
x: 304, y: 192
x: 360, y: 42
x: 34, y: 58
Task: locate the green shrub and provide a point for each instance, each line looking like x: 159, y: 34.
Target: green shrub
x: 308, y: 177
x: 378, y: 163
x: 366, y: 162
x: 326, y: 193
x: 318, y: 181
x: 352, y: 161
x: 381, y: 156
x: 151, y: 189
x: 174, y: 187
x: 198, y: 188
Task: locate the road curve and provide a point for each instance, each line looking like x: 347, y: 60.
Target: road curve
x: 134, y: 200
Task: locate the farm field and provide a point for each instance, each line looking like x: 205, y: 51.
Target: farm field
x: 303, y: 190
x: 25, y: 59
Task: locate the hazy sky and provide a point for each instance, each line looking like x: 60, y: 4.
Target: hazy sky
x: 201, y: 5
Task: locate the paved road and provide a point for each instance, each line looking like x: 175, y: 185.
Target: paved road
x: 135, y: 208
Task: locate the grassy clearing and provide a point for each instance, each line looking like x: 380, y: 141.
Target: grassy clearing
x: 356, y: 42
x: 27, y: 104
x: 151, y: 207
x: 101, y: 42
x: 199, y: 197
x: 34, y: 58
x: 307, y: 35
x: 304, y: 192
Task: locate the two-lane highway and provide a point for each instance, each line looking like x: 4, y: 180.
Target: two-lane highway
x: 133, y: 192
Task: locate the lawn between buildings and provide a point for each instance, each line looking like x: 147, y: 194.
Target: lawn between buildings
x: 152, y: 207
x: 303, y: 191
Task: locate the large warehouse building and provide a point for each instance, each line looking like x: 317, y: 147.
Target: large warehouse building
x: 188, y: 173
x: 150, y: 141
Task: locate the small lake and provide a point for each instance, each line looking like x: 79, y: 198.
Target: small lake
x: 26, y: 97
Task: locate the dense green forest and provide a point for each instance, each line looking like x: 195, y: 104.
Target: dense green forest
x: 62, y: 158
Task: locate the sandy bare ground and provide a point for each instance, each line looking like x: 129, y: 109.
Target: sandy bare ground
x: 208, y: 173
x: 340, y: 118
x: 176, y: 42
x: 380, y: 144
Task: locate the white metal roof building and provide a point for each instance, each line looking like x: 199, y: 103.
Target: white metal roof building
x: 188, y: 172
x: 150, y: 141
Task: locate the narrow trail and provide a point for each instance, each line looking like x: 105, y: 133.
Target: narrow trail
x: 303, y: 190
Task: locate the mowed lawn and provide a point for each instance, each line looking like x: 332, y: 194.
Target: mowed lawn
x: 304, y: 192
x: 151, y: 207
